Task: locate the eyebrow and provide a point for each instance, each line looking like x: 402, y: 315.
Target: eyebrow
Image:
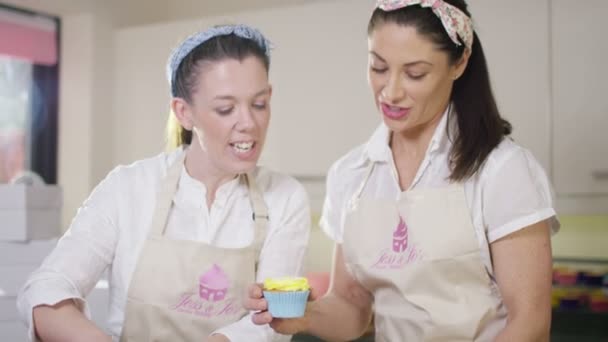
x: 230, y: 97
x: 406, y: 64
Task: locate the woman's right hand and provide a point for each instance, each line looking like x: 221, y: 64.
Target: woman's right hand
x: 287, y: 326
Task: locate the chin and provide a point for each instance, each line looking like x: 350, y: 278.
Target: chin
x: 394, y: 126
x: 242, y: 167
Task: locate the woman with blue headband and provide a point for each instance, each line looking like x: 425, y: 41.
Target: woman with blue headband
x: 183, y: 233
x: 441, y: 222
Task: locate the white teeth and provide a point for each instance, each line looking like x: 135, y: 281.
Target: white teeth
x: 243, y: 146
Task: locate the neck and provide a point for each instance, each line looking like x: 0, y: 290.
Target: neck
x: 409, y: 148
x: 414, y: 143
x: 200, y: 167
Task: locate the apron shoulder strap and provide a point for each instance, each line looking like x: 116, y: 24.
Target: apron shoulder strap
x: 361, y: 187
x: 260, y: 214
x: 165, y: 195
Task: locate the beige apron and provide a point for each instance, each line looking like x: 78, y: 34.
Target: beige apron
x: 420, y: 258
x: 184, y: 290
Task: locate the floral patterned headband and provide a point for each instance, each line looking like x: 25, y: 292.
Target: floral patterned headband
x: 456, y: 23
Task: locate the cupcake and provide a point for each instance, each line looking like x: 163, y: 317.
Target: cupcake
x: 286, y: 297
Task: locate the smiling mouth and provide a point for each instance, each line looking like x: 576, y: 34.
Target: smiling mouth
x: 243, y: 147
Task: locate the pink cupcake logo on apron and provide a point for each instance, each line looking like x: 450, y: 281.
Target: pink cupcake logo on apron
x: 211, y: 299
x: 401, y: 252
x: 213, y: 285
x: 400, y: 237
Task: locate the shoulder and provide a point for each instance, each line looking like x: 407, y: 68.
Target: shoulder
x: 512, y: 171
x: 347, y: 170
x: 277, y: 185
x: 143, y: 172
x: 349, y: 163
x: 509, y: 158
x: 353, y: 159
x: 285, y: 197
x: 512, y: 191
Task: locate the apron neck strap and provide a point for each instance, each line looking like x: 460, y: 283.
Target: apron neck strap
x: 260, y: 214
x: 368, y: 174
x: 164, y: 200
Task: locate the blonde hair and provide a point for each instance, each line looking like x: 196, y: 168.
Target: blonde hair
x: 176, y: 134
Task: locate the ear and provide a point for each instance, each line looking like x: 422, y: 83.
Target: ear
x: 460, y: 66
x: 183, y: 112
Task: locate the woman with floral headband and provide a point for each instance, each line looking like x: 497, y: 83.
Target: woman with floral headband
x: 185, y: 232
x: 441, y: 222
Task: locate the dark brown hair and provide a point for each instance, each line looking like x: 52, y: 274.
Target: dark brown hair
x: 480, y: 126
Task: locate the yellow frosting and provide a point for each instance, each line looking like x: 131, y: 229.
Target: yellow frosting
x: 286, y: 284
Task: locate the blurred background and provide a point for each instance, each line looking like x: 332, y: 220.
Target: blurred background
x: 83, y: 89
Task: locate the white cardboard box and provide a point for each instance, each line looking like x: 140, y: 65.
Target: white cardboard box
x: 25, y: 252
x: 30, y: 212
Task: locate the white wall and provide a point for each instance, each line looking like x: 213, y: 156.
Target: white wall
x: 75, y: 111
x: 102, y: 118
x: 515, y: 37
x: 183, y: 9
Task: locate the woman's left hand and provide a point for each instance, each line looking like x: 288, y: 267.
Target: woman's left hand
x: 218, y: 338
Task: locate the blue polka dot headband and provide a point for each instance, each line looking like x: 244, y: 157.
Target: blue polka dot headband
x: 196, y: 39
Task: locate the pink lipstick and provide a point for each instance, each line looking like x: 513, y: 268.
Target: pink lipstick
x: 393, y: 112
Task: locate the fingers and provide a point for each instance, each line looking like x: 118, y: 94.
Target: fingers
x: 254, y: 300
x: 255, y: 304
x: 314, y: 294
x: 262, y: 318
x: 290, y: 326
x: 255, y: 291
x: 276, y: 323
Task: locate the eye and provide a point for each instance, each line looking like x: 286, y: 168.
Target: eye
x: 416, y: 76
x: 378, y: 70
x: 260, y: 105
x: 224, y: 110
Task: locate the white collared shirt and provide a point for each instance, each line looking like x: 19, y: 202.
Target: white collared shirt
x: 510, y: 192
x: 110, y: 228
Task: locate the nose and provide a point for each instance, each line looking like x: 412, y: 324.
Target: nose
x: 393, y: 91
x: 245, y: 120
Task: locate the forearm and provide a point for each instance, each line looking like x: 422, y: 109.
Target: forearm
x: 64, y: 322
x: 522, y: 266
x: 333, y: 318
